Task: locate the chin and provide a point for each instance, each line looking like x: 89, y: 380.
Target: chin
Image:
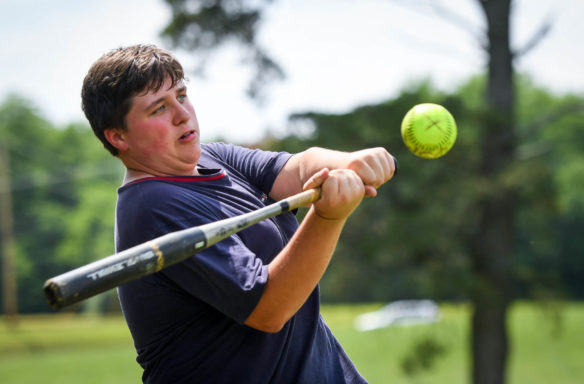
x: 193, y: 161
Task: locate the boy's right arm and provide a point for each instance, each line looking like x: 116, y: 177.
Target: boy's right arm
x: 297, y: 269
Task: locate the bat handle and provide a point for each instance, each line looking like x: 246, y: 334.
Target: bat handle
x: 304, y: 198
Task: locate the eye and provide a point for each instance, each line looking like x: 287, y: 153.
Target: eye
x: 158, y: 109
x: 182, y: 97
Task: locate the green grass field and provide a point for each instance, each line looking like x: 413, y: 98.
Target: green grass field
x: 546, y: 347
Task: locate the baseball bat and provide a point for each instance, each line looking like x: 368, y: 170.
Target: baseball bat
x: 151, y: 256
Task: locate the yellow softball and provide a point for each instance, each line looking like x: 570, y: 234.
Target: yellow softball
x: 429, y: 130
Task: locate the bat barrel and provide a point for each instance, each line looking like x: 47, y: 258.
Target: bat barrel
x: 131, y: 264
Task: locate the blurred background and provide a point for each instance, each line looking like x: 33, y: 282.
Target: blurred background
x: 490, y: 231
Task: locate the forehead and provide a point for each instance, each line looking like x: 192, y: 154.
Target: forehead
x: 161, y: 88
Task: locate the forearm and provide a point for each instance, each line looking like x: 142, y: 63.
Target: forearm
x: 296, y: 271
x: 316, y: 158
x: 373, y: 165
x: 302, y: 166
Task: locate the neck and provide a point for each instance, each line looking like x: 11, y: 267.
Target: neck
x: 134, y: 174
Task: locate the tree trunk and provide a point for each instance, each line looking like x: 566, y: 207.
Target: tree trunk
x: 7, y: 241
x: 492, y: 243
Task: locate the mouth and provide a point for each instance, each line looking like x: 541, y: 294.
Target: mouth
x: 187, y: 135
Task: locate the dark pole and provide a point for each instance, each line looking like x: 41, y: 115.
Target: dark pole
x: 7, y: 238
x: 492, y: 243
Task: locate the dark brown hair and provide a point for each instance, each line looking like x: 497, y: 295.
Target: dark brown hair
x: 116, y: 77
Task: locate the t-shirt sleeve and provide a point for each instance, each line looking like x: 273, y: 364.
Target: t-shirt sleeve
x: 227, y: 276
x: 258, y: 166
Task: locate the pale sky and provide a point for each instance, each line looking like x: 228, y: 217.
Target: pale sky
x: 337, y: 54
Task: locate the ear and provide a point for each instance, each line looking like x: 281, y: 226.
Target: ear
x: 116, y: 138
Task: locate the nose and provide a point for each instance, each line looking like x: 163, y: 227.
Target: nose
x: 182, y: 114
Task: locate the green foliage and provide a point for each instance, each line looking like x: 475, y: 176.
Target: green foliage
x: 405, y: 243
x: 423, y: 356
x: 409, y: 242
x: 548, y: 175
x: 205, y: 26
x: 63, y: 186
x: 412, y: 240
x: 208, y: 24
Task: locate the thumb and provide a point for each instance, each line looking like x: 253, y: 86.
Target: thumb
x: 317, y: 179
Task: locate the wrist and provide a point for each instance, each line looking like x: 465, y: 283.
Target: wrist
x: 326, y: 218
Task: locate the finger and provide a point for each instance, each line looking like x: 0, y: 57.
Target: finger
x: 350, y: 179
x: 383, y: 170
x: 353, y: 183
x: 389, y: 167
x: 380, y: 171
x: 370, y: 191
x: 317, y: 179
x: 373, y: 172
x: 381, y: 167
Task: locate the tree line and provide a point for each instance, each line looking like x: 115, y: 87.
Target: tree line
x: 409, y: 242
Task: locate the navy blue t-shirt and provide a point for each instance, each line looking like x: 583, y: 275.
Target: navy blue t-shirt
x: 187, y: 320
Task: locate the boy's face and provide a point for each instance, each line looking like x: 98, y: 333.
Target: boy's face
x: 162, y: 133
